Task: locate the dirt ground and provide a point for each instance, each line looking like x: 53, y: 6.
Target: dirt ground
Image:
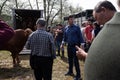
x: 24, y: 72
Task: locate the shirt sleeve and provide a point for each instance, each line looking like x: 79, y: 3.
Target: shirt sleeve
x: 80, y: 35
x: 27, y: 45
x: 52, y: 47
x: 64, y: 36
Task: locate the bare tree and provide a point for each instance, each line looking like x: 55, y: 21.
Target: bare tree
x: 16, y: 3
x: 61, y: 10
x: 55, y: 16
x: 49, y: 11
x: 37, y: 4
x: 70, y: 10
x: 2, y: 5
x: 52, y: 8
x: 30, y: 4
x: 44, y: 5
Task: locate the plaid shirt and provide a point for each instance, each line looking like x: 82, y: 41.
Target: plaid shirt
x: 41, y: 43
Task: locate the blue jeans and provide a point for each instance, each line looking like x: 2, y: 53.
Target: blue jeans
x: 73, y: 58
x: 58, y: 43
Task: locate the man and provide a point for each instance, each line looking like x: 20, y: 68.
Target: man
x: 103, y: 12
x: 42, y: 48
x: 73, y: 36
x: 58, y: 38
x: 102, y: 61
x: 102, y: 17
x: 88, y: 34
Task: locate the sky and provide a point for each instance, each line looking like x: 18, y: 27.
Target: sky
x: 89, y: 4
x: 85, y: 4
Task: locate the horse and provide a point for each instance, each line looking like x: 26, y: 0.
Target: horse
x: 16, y: 44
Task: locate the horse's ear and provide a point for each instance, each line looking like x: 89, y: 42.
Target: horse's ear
x: 28, y: 31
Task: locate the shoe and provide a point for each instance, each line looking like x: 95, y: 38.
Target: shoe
x: 77, y: 78
x: 69, y: 74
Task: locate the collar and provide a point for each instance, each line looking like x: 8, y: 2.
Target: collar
x: 43, y: 29
x: 71, y: 25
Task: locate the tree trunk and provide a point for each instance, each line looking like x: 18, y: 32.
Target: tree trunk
x: 37, y: 4
x: 30, y: 4
x: 55, y: 15
x: 16, y: 4
x: 61, y: 11
x: 44, y: 2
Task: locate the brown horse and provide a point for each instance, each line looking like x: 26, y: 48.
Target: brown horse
x: 16, y: 44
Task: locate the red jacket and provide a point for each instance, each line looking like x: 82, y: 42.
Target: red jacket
x: 6, y: 33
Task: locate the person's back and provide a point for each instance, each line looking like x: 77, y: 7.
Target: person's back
x: 41, y: 43
x: 42, y: 54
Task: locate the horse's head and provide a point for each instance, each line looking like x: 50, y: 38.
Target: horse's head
x: 20, y: 36
x: 28, y: 31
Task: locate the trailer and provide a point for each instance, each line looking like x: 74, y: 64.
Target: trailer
x: 25, y: 18
x: 80, y: 17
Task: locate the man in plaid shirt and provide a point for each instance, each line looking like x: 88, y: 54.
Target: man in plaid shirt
x: 42, y: 48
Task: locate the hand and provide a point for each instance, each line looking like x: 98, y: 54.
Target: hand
x: 61, y: 46
x: 88, y: 41
x: 81, y: 54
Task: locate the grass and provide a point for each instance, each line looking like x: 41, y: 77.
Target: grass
x: 24, y: 72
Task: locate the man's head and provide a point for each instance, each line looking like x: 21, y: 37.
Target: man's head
x: 89, y: 21
x: 40, y: 22
x: 84, y: 23
x: 59, y: 26
x: 103, y: 12
x: 70, y: 20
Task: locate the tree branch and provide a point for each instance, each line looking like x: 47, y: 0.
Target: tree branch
x: 55, y: 15
x: 2, y: 6
x: 30, y: 4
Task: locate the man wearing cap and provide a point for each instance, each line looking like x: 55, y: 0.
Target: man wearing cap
x: 42, y: 48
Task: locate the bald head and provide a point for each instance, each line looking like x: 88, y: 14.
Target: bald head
x: 106, y: 4
x: 103, y: 12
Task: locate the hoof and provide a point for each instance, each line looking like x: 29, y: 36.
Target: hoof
x: 18, y: 62
x: 16, y: 65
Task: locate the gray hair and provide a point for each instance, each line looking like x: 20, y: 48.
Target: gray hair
x: 41, y: 22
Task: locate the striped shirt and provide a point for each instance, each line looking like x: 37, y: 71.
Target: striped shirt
x: 41, y: 43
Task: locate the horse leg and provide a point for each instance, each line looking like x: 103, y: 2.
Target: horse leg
x: 14, y: 61
x: 17, y: 59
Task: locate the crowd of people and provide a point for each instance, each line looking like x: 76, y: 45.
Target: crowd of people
x: 97, y: 43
